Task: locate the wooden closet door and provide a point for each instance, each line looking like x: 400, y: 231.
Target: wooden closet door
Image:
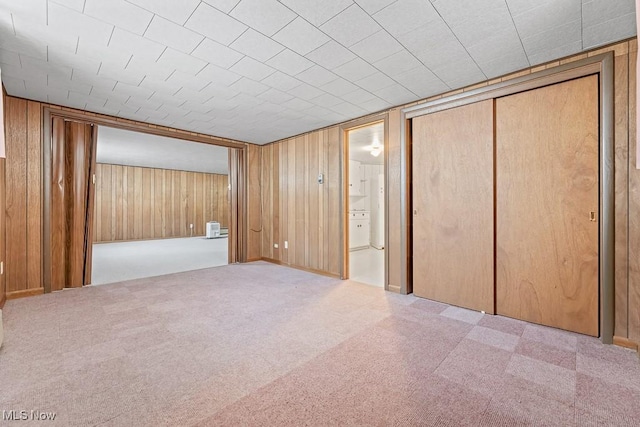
x: 453, y: 206
x: 547, y: 187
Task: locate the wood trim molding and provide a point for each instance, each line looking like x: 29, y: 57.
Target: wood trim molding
x: 344, y: 128
x: 309, y: 270
x: 625, y: 342
x: 3, y: 299
x: 25, y: 293
x: 237, y: 243
x: 141, y: 127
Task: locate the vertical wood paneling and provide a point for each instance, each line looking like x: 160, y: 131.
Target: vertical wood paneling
x: 266, y: 170
x: 283, y: 149
x: 291, y: 202
x: 325, y: 199
x: 621, y: 179
x: 97, y: 225
x: 301, y: 195
x: 138, y: 208
x: 296, y: 208
x: 17, y: 184
x: 199, y: 206
x: 254, y: 203
x: 634, y: 208
x: 3, y: 253
x: 147, y: 201
x: 138, y: 203
x: 16, y: 199
x: 21, y: 248
x: 335, y: 184
x: 158, y: 199
x: 275, y: 218
x: 312, y: 211
x: 34, y: 195
x: 394, y: 190
x: 105, y: 215
x: 118, y: 220
x: 57, y: 222
x: 131, y: 201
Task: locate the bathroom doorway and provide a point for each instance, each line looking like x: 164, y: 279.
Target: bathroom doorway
x: 366, y: 207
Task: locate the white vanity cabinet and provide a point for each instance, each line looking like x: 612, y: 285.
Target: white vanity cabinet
x: 359, y: 229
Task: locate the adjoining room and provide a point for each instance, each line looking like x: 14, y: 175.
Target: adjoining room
x: 161, y: 206
x: 366, y: 204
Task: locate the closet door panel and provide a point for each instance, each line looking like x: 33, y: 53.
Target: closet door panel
x: 547, y: 205
x: 453, y: 206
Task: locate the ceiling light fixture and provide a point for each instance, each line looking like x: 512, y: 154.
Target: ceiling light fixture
x: 376, y: 148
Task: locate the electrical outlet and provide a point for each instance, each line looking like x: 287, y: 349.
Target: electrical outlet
x: 286, y: 244
x: 275, y: 245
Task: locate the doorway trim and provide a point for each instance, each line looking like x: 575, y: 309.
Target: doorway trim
x: 238, y: 167
x: 601, y: 65
x: 344, y: 197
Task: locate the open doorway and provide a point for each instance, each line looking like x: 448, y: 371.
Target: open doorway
x: 366, y: 204
x: 69, y: 170
x: 161, y: 206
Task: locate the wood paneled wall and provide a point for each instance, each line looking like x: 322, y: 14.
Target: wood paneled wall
x: 3, y: 282
x: 297, y: 209
x: 134, y: 203
x: 254, y: 203
x: 289, y: 193
x: 23, y: 262
x: 627, y: 182
x: 24, y: 190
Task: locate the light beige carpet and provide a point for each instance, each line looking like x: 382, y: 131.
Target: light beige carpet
x: 259, y: 344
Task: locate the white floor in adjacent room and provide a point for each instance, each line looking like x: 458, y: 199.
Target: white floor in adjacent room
x: 118, y: 261
x: 367, y: 266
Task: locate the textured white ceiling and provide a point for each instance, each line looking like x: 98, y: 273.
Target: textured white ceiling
x: 123, y: 147
x: 262, y: 70
x: 360, y: 141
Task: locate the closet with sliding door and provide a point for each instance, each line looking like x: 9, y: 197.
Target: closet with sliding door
x: 506, y: 203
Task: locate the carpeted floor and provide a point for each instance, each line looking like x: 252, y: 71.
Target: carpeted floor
x: 260, y: 344
x: 118, y: 261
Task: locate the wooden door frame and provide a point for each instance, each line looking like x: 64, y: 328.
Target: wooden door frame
x: 238, y: 187
x: 344, y: 190
x: 601, y: 65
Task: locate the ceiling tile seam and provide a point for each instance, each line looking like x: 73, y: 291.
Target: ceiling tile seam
x: 404, y: 47
x: 143, y: 33
x: 346, y: 47
x: 155, y: 14
x: 582, y: 25
x: 391, y: 4
x: 517, y: 32
x: 13, y: 24
x: 240, y: 35
x: 457, y: 38
x: 191, y: 14
x: 320, y: 24
x: 166, y: 47
x: 233, y: 41
x: 415, y: 57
